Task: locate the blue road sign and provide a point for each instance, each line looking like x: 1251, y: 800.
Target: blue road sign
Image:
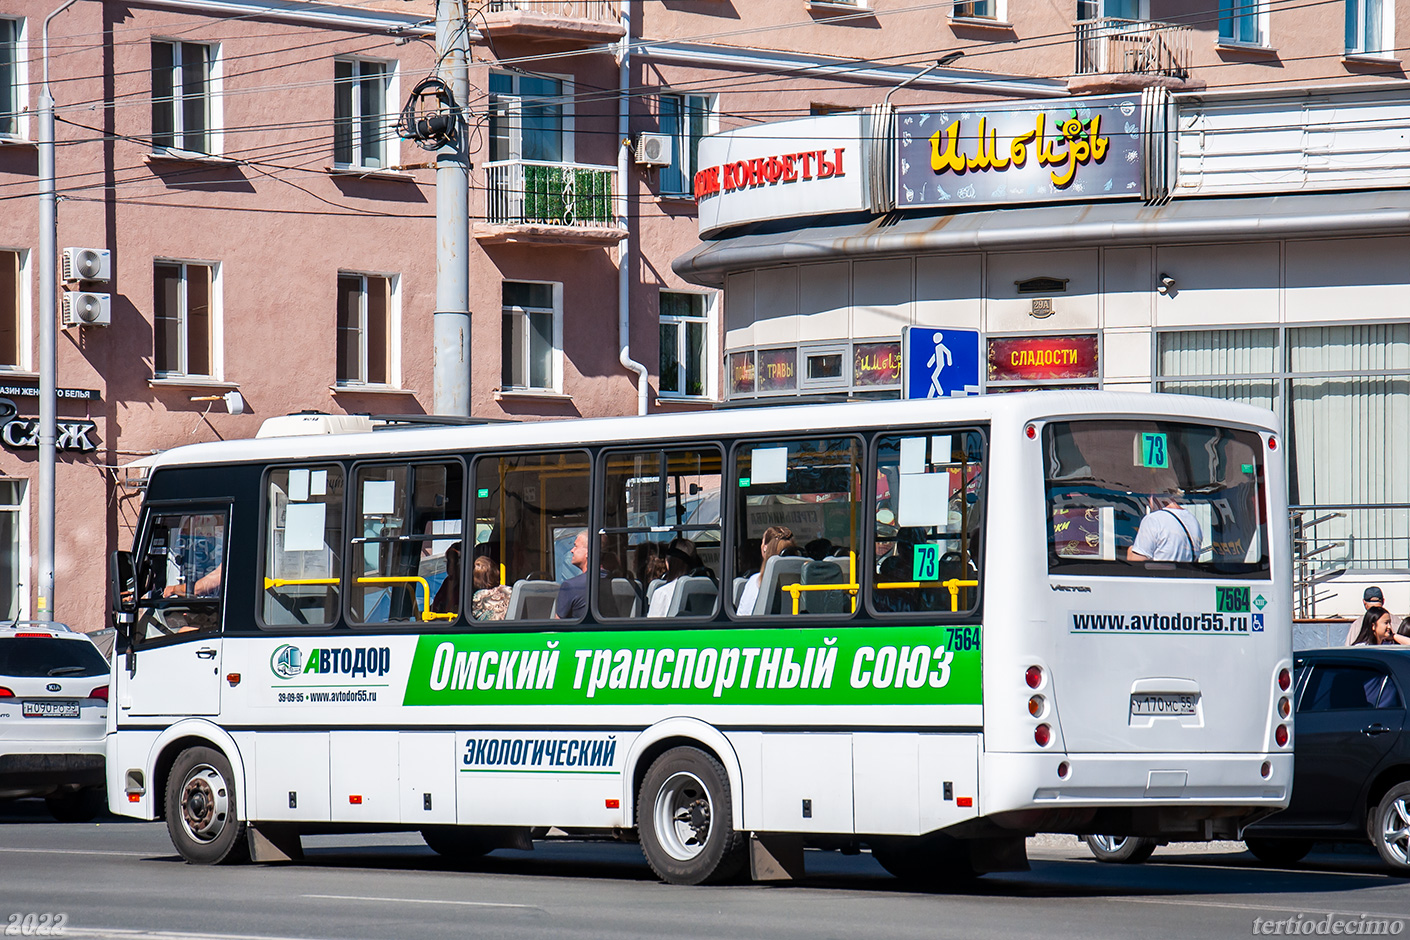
x: 940, y: 363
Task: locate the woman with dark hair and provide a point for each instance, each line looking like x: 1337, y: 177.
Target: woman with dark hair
x: 778, y: 540
x: 1376, y: 629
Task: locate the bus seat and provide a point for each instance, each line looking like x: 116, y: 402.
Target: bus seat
x: 739, y: 584
x: 823, y: 602
x: 628, y: 600
x: 694, y: 596
x: 651, y: 590
x: 532, y: 600
x: 779, y: 572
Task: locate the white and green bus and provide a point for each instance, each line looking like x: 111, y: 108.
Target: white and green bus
x: 913, y: 627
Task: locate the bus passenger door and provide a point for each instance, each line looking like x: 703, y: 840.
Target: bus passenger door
x: 177, y: 635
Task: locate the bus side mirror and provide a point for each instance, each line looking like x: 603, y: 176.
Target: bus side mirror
x: 122, y: 583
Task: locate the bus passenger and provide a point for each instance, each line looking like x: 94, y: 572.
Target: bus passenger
x: 572, y: 593
x: 491, y: 599
x: 447, y: 599
x: 680, y: 561
x: 1169, y: 532
x: 778, y: 540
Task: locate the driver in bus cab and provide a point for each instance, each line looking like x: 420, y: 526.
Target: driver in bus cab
x: 1169, y: 532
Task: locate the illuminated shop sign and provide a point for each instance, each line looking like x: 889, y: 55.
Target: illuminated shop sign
x: 778, y: 370
x: 811, y: 166
x: 1032, y: 151
x: 876, y: 364
x: 1042, y: 358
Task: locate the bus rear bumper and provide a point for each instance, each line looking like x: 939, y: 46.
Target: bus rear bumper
x: 1185, y: 790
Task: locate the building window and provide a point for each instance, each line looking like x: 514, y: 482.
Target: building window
x: 531, y: 336
x: 12, y: 85
x: 1369, y: 27
x: 1240, y: 21
x: 14, y: 320
x: 1337, y: 390
x: 977, y: 10
x: 528, y: 119
x: 181, y: 96
x: 686, y: 119
x: 685, y: 344
x: 364, y: 329
x: 14, y: 551
x: 185, y: 319
x: 360, y: 127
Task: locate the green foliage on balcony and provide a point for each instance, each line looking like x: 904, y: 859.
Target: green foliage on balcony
x: 560, y: 195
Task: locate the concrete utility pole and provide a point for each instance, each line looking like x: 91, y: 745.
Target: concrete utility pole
x: 451, y: 365
x: 48, y: 314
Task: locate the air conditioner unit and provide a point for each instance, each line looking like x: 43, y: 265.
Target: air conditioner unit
x: 80, y: 308
x: 87, y: 264
x: 654, y: 149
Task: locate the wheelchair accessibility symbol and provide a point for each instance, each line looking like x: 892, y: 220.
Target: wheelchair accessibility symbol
x: 1257, y: 623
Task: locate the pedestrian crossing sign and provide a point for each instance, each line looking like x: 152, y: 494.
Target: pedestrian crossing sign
x: 940, y: 362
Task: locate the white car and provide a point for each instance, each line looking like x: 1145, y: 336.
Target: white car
x: 53, y: 715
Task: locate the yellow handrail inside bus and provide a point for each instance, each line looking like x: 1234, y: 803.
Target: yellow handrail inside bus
x: 797, y: 589
x: 953, y: 586
x: 426, y: 612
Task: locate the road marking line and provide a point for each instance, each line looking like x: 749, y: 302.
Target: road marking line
x: 123, y: 933
x: 354, y: 897
x: 1261, y: 907
x: 79, y: 852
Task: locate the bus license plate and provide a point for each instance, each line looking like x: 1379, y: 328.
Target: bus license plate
x: 51, y: 709
x: 1163, y: 703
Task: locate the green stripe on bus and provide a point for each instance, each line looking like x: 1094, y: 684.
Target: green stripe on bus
x: 873, y: 665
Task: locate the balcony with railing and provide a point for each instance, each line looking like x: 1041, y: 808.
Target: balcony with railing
x: 1139, y: 51
x: 570, y: 21
x: 550, y: 203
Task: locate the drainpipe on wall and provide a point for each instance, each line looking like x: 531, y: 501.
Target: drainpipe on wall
x: 624, y: 150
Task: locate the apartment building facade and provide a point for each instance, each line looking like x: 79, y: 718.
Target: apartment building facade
x: 270, y: 237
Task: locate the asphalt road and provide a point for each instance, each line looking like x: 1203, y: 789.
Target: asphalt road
x: 123, y: 880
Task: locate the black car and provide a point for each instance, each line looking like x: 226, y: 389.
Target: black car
x: 1351, y: 765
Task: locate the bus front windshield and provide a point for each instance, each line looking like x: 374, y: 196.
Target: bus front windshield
x: 1155, y: 498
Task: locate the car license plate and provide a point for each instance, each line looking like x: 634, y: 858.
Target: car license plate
x: 1163, y: 703
x: 62, y: 709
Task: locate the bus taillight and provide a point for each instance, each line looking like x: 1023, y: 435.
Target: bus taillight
x: 1034, y: 676
x: 1043, y: 734
x: 1284, y: 707
x: 1281, y: 736
x: 1284, y: 679
x: 1035, y: 706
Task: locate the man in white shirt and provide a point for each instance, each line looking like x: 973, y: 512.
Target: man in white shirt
x: 1169, y: 532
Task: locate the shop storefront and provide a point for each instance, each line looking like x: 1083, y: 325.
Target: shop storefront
x: 1141, y: 243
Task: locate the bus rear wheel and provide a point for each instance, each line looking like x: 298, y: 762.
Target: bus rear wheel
x: 684, y: 819
x: 1120, y: 850
x: 201, y: 809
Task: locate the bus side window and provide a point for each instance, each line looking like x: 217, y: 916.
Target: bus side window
x: 405, y: 544
x: 660, y: 533
x: 528, y: 512
x: 797, y: 534
x: 926, y: 522
x: 303, y: 545
x: 182, y: 574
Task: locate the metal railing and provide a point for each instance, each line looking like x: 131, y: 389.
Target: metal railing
x: 603, y: 11
x: 1111, y: 46
x: 1311, y: 562
x: 528, y: 192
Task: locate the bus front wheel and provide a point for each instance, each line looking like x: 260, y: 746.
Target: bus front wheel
x: 684, y: 819
x: 201, y: 809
